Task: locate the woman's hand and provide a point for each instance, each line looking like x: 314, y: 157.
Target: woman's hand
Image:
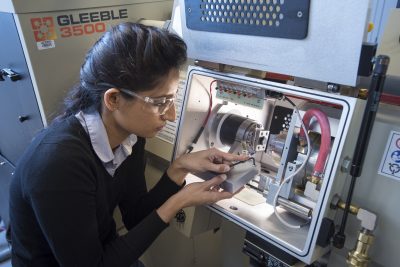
x: 205, y: 160
x: 194, y: 194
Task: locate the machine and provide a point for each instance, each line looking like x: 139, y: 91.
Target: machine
x: 300, y: 135
x: 289, y: 180
x: 299, y: 131
x: 44, y: 44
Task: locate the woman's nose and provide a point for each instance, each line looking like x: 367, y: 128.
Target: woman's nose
x: 170, y: 115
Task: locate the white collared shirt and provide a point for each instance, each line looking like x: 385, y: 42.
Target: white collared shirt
x: 94, y: 126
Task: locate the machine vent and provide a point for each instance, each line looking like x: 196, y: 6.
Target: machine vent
x: 270, y: 18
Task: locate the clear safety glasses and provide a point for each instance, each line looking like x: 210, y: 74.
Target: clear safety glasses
x: 159, y: 105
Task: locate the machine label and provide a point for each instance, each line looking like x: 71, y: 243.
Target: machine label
x: 390, y: 164
x: 69, y: 25
x: 46, y: 44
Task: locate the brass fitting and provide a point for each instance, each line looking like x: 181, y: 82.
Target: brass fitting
x: 303, y: 142
x: 363, y: 93
x: 314, y: 179
x: 353, y: 208
x: 358, y: 257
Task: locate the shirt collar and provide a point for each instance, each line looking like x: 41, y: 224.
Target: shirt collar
x: 94, y: 126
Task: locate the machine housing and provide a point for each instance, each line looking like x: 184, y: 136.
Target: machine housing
x: 276, y: 152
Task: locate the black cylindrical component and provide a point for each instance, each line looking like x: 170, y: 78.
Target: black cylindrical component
x: 374, y: 95
x: 229, y: 128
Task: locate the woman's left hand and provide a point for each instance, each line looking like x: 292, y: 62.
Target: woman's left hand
x: 205, y: 160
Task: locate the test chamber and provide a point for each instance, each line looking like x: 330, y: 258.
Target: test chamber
x: 256, y: 117
x: 298, y: 138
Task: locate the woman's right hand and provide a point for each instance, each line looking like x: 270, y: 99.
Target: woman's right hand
x: 194, y: 194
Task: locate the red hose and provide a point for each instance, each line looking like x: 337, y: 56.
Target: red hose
x: 325, y: 138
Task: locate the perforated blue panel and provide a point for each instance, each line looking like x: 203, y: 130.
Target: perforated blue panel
x: 271, y: 18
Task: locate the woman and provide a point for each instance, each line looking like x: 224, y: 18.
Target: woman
x: 91, y: 159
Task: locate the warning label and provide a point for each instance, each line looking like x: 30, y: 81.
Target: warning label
x: 390, y: 164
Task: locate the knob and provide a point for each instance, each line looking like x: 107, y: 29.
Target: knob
x: 180, y: 216
x: 23, y: 118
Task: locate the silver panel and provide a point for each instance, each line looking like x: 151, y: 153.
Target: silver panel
x: 330, y: 53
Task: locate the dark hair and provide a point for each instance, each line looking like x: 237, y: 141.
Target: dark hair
x: 129, y: 55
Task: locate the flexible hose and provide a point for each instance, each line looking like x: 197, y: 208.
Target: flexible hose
x: 325, y: 138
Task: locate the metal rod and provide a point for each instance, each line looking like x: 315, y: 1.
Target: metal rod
x: 295, y: 208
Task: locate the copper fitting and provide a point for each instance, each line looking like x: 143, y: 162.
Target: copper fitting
x: 314, y: 179
x: 358, y: 257
x: 353, y: 208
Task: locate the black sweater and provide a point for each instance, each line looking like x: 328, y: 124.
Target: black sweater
x: 62, y: 201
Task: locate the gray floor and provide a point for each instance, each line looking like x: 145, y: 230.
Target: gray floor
x: 5, y: 264
x: 3, y: 244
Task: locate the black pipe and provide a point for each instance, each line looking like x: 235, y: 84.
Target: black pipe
x: 371, y: 108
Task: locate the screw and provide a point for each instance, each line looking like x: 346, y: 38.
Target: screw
x: 299, y: 14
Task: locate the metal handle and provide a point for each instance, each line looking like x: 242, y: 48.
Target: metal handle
x: 23, y: 118
x: 10, y: 74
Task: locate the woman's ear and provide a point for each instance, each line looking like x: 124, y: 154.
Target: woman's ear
x: 111, y: 99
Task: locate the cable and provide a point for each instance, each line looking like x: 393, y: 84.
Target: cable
x: 200, y: 131
x: 243, y: 161
x: 287, y: 179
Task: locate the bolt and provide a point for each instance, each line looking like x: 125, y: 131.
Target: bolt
x: 333, y: 88
x: 346, y: 164
x: 335, y: 202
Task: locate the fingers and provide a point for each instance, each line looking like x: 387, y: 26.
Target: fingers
x: 221, y: 161
x: 221, y: 195
x: 213, y: 187
x: 216, y: 181
x: 221, y: 156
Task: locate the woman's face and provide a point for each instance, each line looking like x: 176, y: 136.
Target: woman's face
x: 134, y: 117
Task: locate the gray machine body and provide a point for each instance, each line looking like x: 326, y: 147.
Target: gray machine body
x: 48, y: 72
x: 336, y: 26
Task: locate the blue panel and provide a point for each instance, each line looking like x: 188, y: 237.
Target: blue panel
x: 17, y: 98
x: 269, y: 18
